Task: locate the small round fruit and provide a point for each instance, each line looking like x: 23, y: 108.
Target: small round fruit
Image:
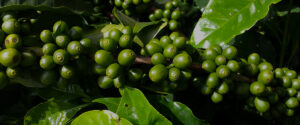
x: 205, y: 90
x: 167, y: 14
x: 169, y: 6
x: 113, y: 70
x: 230, y: 52
x: 61, y: 57
x: 62, y: 40
x: 174, y: 74
x: 49, y: 77
x: 186, y: 74
x: 261, y: 105
x: 143, y: 52
x: 3, y: 79
x: 67, y: 72
x: 105, y: 82
x: 291, y: 92
x: 13, y: 41
x: 115, y: 34
x: 212, y: 80
x: 265, y: 77
x: 173, y: 24
x: 292, y: 74
x: 103, y: 57
x: 127, y: 30
x: 182, y: 60
x: 286, y: 81
x: 108, y: 44
x: 165, y: 41
x: 136, y: 2
x: 290, y: 112
x: 158, y: 73
x: 233, y: 65
x: 279, y: 73
x: 257, y: 88
x: 99, y: 69
x: 179, y: 42
x: 126, y: 57
x: 28, y: 59
x: 46, y: 36
x: 49, y: 48
x: 125, y: 5
x: 251, y: 69
x: 47, y: 62
x: 175, y: 3
x: 156, y: 41
x: 223, y: 88
x: 175, y: 15
x: 74, y: 48
x: 298, y: 95
x: 86, y: 43
x: 8, y: 16
x: 170, y: 51
x: 76, y: 33
x: 158, y: 13
x: 60, y: 27
x: 118, y: 3
x: 153, y: 48
x: 10, y: 57
x: 216, y: 97
x: 210, y: 54
x: 119, y: 81
x: 135, y: 74
x: 174, y: 35
x: 146, y: 1
x: 265, y: 66
x: 11, y: 26
x: 125, y: 41
x: 209, y: 66
x: 152, y: 17
x: 12, y: 72
x: 158, y: 58
x: 254, y: 58
x: 296, y: 84
x: 292, y: 102
x: 223, y: 71
x: 217, y: 48
x: 220, y: 60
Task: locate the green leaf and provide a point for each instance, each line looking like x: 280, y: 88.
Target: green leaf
x: 111, y: 103
x: 224, y: 19
x: 29, y: 78
x: 135, y: 107
x: 53, y: 112
x: 69, y: 92
x: 177, y: 112
x: 61, y: 6
x: 97, y: 117
x: 150, y: 32
x: 124, y: 19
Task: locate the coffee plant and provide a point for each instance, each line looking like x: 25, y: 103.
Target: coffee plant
x: 144, y: 62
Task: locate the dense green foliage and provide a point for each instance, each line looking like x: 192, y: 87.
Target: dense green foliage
x: 149, y: 62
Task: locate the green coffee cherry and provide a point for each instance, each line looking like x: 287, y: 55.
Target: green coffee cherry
x: 153, y: 48
x: 108, y: 44
x: 223, y: 71
x: 292, y: 74
x: 49, y: 48
x: 11, y: 26
x: 209, y: 66
x: 291, y: 92
x: 127, y: 30
x: 212, y: 80
x: 223, y: 88
x: 61, y: 57
x: 74, y: 48
x: 28, y: 59
x: 158, y: 72
x: 220, y: 60
x: 126, y: 57
x: 230, y: 52
x: 76, y: 33
x: 152, y: 17
x: 233, y: 65
x: 115, y: 34
x: 265, y: 66
x: 13, y: 41
x: 210, y: 54
x: 279, y: 73
x: 158, y: 13
x: 10, y: 57
x: 67, y: 72
x: 289, y: 112
x: 179, y: 42
x: 62, y: 40
x: 170, y: 51
x: 286, y: 81
x: 175, y: 15
x: 174, y: 35
x: 3, y: 79
x: 261, y: 105
x: 182, y: 60
x: 113, y: 70
x: 292, y: 102
x: 251, y: 69
x: 8, y: 16
x: 119, y: 81
x: 186, y: 74
x: 158, y: 58
x: 174, y: 74
x: 166, y: 14
x: 135, y: 74
x: 205, y: 90
x: 296, y: 84
x: 165, y: 41
x: 105, y: 82
x: 125, y: 41
x: 169, y: 6
x: 46, y: 36
x: 216, y: 97
x: 175, y: 3
x: 265, y: 77
x: 49, y: 77
x: 136, y: 2
x: 99, y: 69
x: 173, y: 24
x: 103, y: 58
x: 217, y: 48
x: 257, y: 88
x: 60, y: 27
x: 47, y: 62
x: 254, y: 58
x: 86, y: 43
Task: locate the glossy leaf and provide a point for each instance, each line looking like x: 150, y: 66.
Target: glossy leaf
x: 150, y: 32
x: 53, y: 112
x: 177, y: 112
x: 97, y: 117
x: 224, y: 19
x: 135, y: 107
x: 111, y: 103
x: 124, y: 19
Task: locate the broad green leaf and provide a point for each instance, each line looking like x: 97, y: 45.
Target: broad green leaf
x: 69, y: 92
x: 135, y: 107
x: 177, y: 112
x: 53, y: 112
x: 150, y: 32
x: 97, y: 117
x: 224, y: 19
x: 61, y: 6
x: 124, y: 19
x: 140, y: 25
x: 111, y: 103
